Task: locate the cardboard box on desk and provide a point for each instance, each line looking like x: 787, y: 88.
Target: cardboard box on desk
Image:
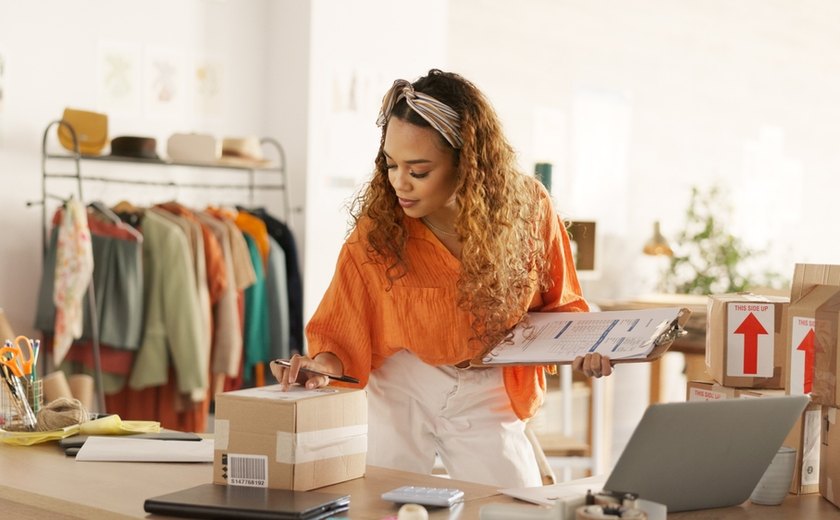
x: 806, y: 275
x: 708, y: 391
x: 804, y: 437
x: 830, y: 455
x: 301, y: 439
x: 801, y: 337
x: 827, y: 356
x: 745, y: 345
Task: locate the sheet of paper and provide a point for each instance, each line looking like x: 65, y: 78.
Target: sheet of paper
x: 548, y: 495
x: 126, y: 449
x: 556, y: 337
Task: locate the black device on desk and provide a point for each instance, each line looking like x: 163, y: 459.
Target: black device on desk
x: 72, y: 445
x: 218, y: 501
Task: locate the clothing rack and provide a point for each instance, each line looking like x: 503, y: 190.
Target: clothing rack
x: 77, y: 158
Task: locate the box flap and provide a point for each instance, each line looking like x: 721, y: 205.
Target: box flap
x: 812, y: 274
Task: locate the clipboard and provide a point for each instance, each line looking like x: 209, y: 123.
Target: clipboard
x: 537, y: 349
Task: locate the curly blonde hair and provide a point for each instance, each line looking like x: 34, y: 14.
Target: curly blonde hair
x: 502, y: 253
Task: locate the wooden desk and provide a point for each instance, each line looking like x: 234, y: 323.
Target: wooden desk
x: 38, y: 482
x: 810, y: 507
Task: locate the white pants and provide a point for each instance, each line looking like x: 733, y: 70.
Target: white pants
x: 415, y: 410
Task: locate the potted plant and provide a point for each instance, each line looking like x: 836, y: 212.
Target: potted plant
x: 707, y: 258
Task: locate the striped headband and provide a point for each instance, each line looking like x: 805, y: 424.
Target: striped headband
x: 439, y: 115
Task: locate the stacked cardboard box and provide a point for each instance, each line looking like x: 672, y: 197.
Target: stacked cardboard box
x: 802, y: 336
x: 758, y: 346
x: 748, y: 355
x: 830, y: 455
x: 745, y: 343
x: 813, y: 335
x: 300, y: 439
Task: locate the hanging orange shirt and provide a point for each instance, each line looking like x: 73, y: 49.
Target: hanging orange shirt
x: 363, y: 323
x: 255, y: 227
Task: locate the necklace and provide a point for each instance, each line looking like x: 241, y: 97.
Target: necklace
x: 439, y: 230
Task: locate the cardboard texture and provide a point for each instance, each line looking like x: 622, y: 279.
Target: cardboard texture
x: 805, y: 275
x: 826, y: 360
x: 830, y: 455
x: 300, y: 440
x: 745, y: 340
x: 801, y: 337
x: 804, y: 437
x: 708, y: 391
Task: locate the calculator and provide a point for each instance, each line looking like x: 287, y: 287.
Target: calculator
x: 426, y: 496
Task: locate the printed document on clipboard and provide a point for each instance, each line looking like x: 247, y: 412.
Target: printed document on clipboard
x: 559, y: 337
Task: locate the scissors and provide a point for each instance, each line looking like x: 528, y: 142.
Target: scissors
x: 22, y: 356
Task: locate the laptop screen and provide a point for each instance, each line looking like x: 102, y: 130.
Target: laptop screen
x: 699, y: 455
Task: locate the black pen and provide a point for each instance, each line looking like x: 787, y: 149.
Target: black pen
x: 346, y: 379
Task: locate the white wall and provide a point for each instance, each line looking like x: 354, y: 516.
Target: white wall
x: 358, y: 49
x: 635, y: 102
x: 51, y: 51
x: 309, y: 73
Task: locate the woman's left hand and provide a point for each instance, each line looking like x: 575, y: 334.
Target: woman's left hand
x: 593, y: 365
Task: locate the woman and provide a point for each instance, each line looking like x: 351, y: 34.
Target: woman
x: 451, y: 246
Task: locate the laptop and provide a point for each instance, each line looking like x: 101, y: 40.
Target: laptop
x: 704, y: 454
x: 248, y: 503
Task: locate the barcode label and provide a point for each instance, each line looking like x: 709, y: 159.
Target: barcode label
x: 247, y: 470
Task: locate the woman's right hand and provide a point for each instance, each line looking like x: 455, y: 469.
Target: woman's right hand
x: 296, y: 371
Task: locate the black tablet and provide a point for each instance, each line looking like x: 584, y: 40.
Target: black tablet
x: 219, y: 501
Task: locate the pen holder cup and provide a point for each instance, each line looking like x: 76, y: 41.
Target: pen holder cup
x: 774, y: 485
x: 11, y: 418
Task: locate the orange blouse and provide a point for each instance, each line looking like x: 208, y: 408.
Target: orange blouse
x: 363, y: 323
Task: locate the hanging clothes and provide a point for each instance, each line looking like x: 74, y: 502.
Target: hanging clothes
x: 173, y: 316
x: 73, y: 273
x: 281, y: 232
x: 277, y: 297
x: 256, y: 318
x: 195, y: 239
x: 118, y: 284
x: 217, y: 276
x: 243, y: 269
x: 256, y: 229
x: 226, y: 352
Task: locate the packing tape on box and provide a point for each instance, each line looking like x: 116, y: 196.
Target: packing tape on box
x: 832, y: 415
x: 221, y: 434
x: 294, y: 448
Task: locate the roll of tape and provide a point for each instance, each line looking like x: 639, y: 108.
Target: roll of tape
x: 608, y: 513
x: 625, y: 500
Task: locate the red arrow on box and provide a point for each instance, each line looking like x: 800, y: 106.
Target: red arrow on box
x: 807, y: 346
x: 750, y: 328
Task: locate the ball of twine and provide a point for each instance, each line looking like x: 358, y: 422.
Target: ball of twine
x: 60, y: 413
x: 412, y: 512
